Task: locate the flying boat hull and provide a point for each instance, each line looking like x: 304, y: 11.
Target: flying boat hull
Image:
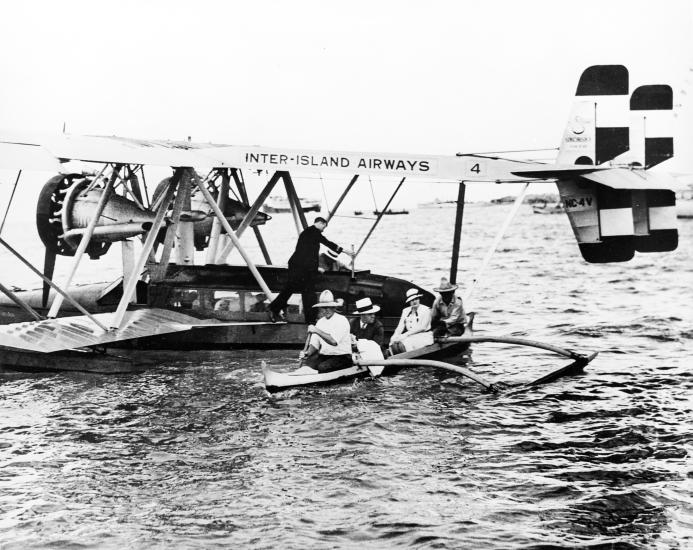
x: 228, y: 296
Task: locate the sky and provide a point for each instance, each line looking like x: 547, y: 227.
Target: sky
x: 435, y: 77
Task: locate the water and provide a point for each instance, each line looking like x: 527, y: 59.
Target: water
x: 195, y: 454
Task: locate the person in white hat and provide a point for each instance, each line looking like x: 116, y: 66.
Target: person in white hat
x: 366, y: 326
x: 330, y: 341
x: 329, y: 261
x: 414, y: 328
x: 447, y: 311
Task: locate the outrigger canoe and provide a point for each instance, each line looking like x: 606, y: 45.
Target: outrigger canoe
x: 305, y: 376
x: 365, y: 363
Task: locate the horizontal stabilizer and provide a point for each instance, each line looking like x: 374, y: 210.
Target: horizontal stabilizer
x: 78, y: 332
x: 617, y: 212
x: 557, y: 171
x: 621, y: 178
x: 616, y: 178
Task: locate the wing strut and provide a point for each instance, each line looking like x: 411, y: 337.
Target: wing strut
x: 227, y: 227
x: 86, y: 237
x: 296, y: 210
x: 131, y: 284
x: 456, y: 237
x: 342, y: 197
x: 159, y: 272
x: 380, y: 216
x: 21, y: 303
x: 516, y: 206
x: 215, y: 232
x: 244, y: 195
x: 250, y: 216
x: 53, y: 285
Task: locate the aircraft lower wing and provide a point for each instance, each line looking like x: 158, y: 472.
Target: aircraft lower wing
x: 65, y: 333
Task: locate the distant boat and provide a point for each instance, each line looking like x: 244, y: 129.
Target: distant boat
x: 545, y: 208
x: 437, y: 203
x: 358, y: 212
x: 390, y: 212
x: 503, y: 200
x: 684, y: 209
x: 684, y: 204
x: 279, y: 205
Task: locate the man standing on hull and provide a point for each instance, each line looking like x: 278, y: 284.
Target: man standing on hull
x: 303, y: 270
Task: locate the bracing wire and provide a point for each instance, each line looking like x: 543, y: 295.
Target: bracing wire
x: 324, y: 193
x: 375, y: 204
x: 10, y: 202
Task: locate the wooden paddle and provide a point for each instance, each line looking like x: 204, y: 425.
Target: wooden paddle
x: 305, y: 350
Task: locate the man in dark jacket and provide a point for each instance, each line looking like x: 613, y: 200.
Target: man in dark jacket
x: 366, y: 326
x: 303, y: 270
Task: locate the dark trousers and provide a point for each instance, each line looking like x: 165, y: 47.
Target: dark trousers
x: 440, y: 329
x: 298, y: 281
x: 328, y: 363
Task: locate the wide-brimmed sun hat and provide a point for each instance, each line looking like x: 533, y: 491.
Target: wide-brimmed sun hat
x: 412, y: 294
x: 331, y: 253
x: 327, y: 300
x: 445, y: 286
x: 364, y: 306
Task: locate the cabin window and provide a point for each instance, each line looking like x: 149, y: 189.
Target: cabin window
x: 230, y: 305
x: 189, y: 298
x: 229, y: 300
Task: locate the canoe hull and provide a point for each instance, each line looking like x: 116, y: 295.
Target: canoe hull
x: 280, y: 381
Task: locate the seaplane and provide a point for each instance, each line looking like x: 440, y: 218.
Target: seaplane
x: 616, y: 206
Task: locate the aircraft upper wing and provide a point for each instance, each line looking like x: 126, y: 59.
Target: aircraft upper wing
x: 121, y: 151
x: 443, y: 167
x: 22, y: 155
x: 48, y: 153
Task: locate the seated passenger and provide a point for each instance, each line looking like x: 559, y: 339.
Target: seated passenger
x: 327, y: 261
x: 367, y: 327
x: 223, y: 304
x: 260, y: 305
x: 330, y: 342
x: 447, y: 311
x: 414, y: 328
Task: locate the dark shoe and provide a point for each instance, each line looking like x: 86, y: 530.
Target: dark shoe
x: 272, y: 316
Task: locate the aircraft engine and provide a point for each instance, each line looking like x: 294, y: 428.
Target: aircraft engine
x: 201, y: 214
x: 65, y: 208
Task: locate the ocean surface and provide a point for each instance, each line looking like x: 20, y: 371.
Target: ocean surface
x: 195, y: 454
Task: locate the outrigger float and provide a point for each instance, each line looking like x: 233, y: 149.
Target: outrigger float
x: 165, y: 300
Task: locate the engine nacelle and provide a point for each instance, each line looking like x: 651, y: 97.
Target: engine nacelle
x: 65, y: 208
x: 202, y: 216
